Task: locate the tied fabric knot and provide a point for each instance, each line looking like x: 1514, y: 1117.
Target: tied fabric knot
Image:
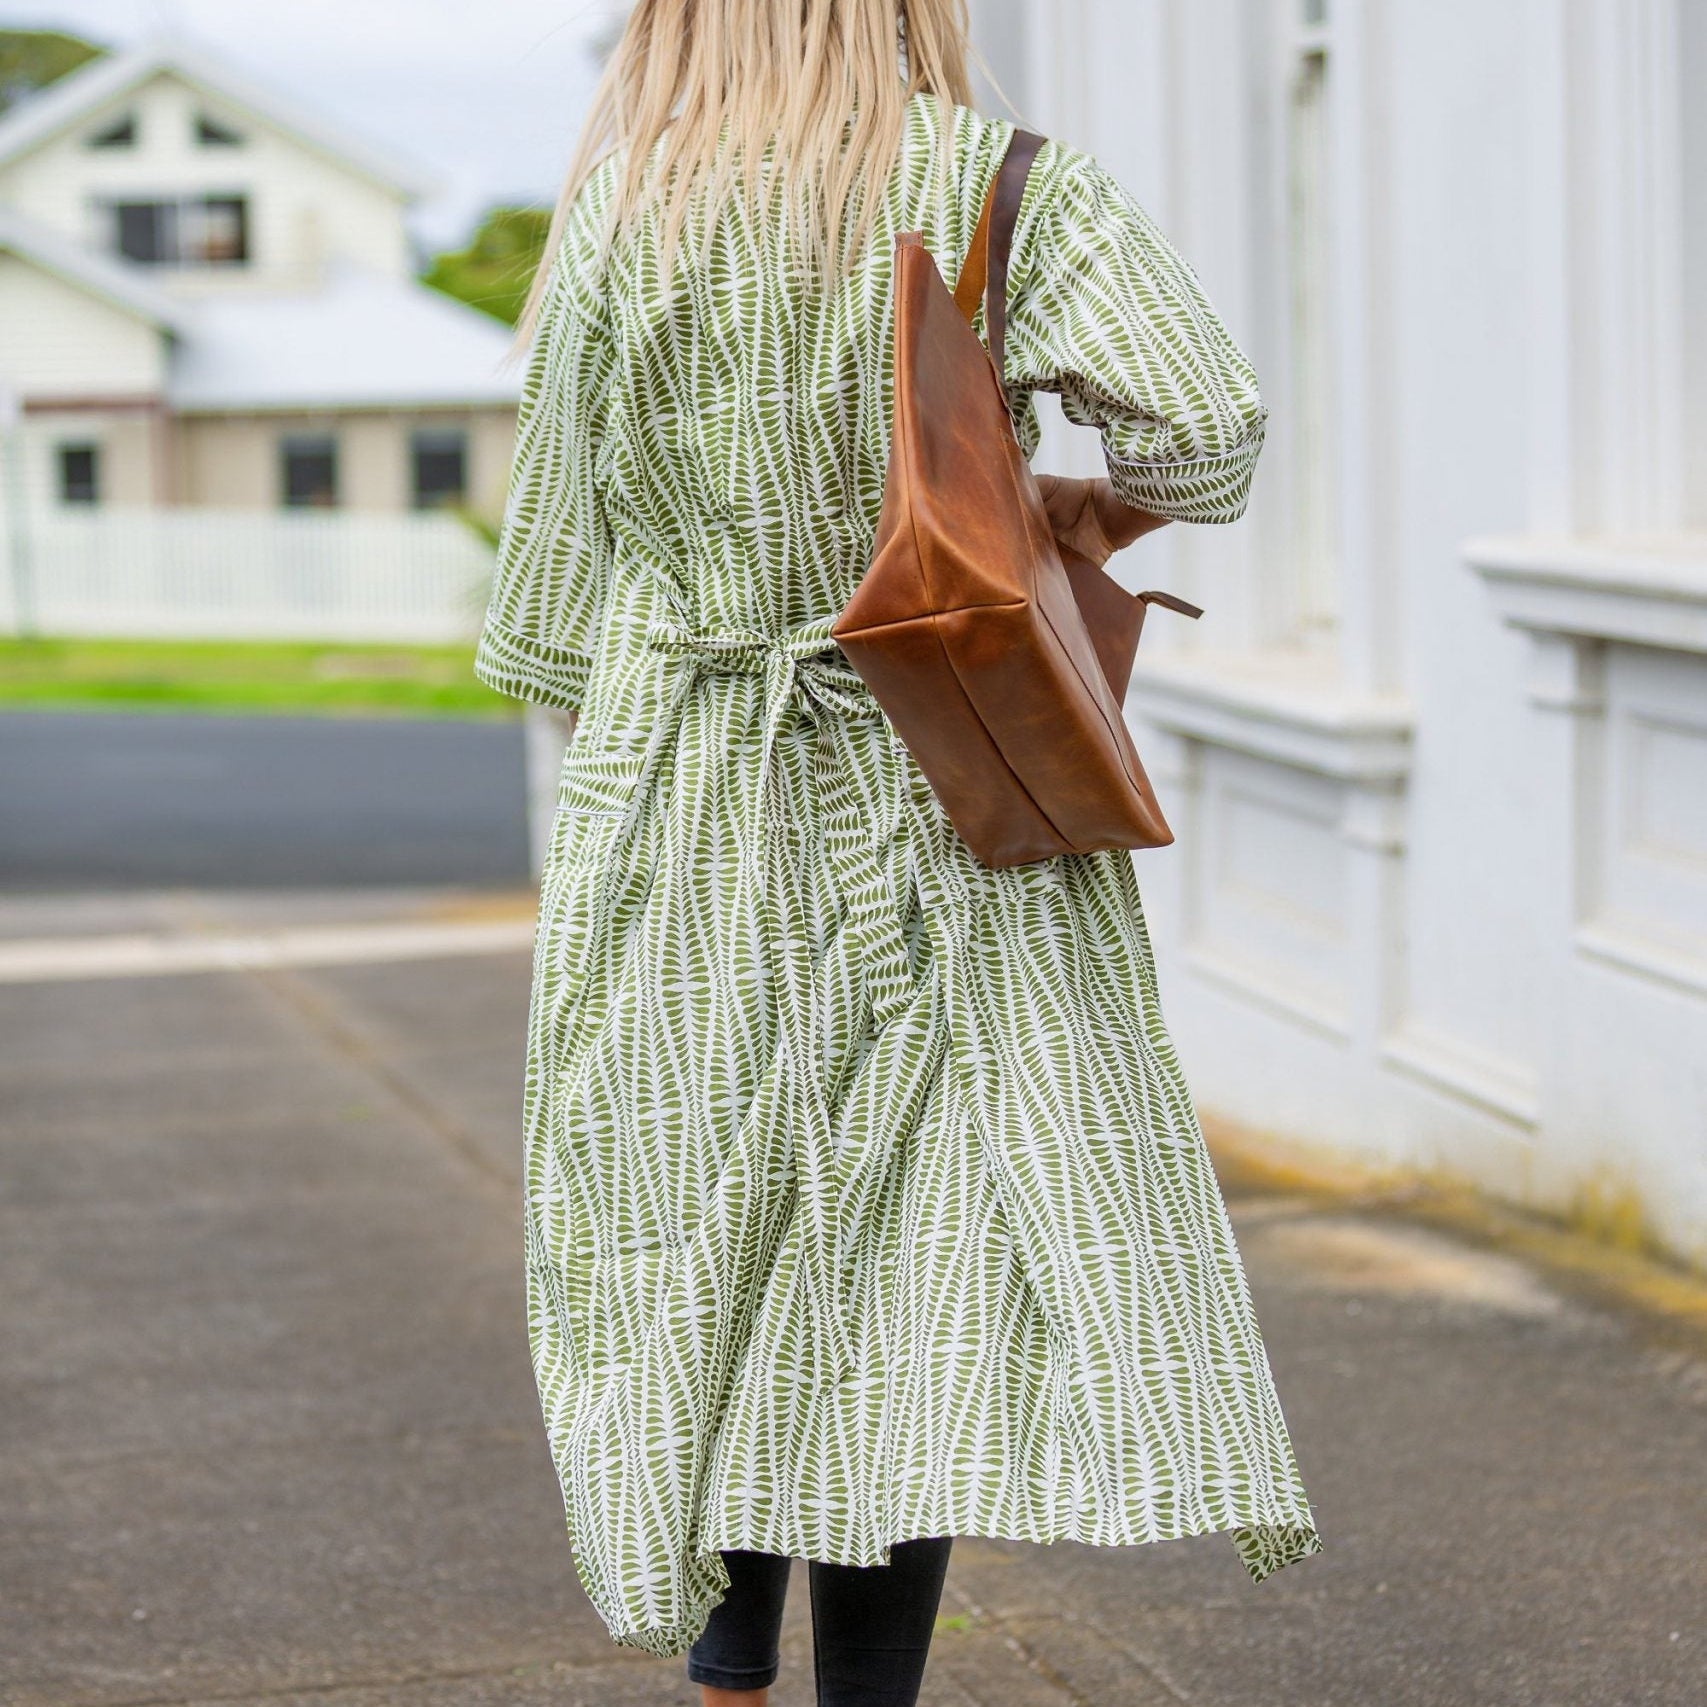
x: 797, y: 665
x: 803, y: 671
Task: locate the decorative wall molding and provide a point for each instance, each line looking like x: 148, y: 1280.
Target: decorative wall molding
x: 1486, y: 1082
x: 1619, y: 632
x: 1281, y: 997
x: 1267, y: 887
x: 1660, y: 959
x: 1648, y: 592
x: 1641, y: 787
x: 1277, y: 706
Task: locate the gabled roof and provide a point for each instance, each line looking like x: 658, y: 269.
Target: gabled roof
x: 73, y: 97
x: 114, y: 281
x: 364, y: 340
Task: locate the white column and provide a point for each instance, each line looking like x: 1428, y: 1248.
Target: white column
x: 1002, y: 31
x: 1364, y: 407
x: 1625, y: 210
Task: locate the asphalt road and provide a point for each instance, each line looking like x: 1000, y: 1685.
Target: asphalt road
x: 111, y: 800
x: 272, y: 1435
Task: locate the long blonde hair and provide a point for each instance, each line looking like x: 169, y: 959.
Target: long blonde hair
x: 828, y: 80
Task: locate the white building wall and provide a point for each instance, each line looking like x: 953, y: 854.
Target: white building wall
x: 59, y: 341
x: 1438, y: 760
x: 305, y: 207
x: 132, y: 445
x: 232, y: 462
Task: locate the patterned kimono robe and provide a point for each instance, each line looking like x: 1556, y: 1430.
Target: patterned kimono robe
x: 864, y: 1197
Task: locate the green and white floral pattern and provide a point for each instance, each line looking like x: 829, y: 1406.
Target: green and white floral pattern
x: 864, y: 1197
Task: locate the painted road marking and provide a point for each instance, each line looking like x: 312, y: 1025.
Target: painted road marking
x: 153, y: 955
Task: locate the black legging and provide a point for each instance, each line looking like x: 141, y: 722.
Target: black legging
x: 871, y: 1624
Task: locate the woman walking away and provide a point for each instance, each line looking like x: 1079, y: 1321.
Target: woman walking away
x: 865, y: 1205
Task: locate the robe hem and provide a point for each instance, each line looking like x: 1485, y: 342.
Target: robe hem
x: 1263, y: 1548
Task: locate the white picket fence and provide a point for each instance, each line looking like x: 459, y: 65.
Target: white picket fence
x: 242, y: 575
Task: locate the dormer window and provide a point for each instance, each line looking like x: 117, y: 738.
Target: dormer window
x: 210, y: 133
x: 119, y: 134
x: 185, y: 231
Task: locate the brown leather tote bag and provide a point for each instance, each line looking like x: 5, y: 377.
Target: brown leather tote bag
x: 1000, y: 662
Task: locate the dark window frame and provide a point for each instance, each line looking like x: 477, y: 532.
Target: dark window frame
x: 82, y: 490
x: 121, y: 133
x: 429, y: 491
x: 299, y: 489
x: 215, y: 133
x: 146, y: 231
x: 240, y: 256
x: 154, y: 230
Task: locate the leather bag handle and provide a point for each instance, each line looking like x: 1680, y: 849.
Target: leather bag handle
x: 984, y: 274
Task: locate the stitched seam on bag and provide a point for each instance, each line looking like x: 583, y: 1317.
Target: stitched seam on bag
x: 960, y: 682
x: 933, y: 615
x: 898, y: 418
x: 1086, y: 685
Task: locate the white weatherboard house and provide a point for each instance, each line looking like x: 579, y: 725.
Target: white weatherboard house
x: 207, y: 300
x: 1437, y: 754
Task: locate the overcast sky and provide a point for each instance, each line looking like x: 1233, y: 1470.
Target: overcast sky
x: 486, y: 94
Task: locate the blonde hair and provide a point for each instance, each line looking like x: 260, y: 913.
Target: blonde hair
x: 708, y: 85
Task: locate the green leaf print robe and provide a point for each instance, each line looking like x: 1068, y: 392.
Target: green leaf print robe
x: 864, y: 1198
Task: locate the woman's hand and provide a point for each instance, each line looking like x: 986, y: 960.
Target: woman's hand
x: 1089, y: 520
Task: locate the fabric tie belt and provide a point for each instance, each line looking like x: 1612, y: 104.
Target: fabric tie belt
x: 799, y: 675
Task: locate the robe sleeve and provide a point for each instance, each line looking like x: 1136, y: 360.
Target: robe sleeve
x: 543, y: 621
x: 1102, y: 310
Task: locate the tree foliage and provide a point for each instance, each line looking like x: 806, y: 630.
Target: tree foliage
x: 31, y: 59
x: 493, y: 273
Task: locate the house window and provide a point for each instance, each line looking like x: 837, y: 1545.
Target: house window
x: 440, y: 460
x: 189, y: 231
x: 1309, y: 254
x: 120, y: 134
x: 79, y: 474
x: 210, y: 133
x: 309, y: 463
x: 145, y: 231
x: 218, y: 231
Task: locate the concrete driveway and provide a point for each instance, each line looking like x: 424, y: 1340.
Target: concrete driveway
x: 271, y: 1433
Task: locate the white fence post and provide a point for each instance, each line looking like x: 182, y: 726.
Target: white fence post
x: 19, y: 580
x: 546, y: 732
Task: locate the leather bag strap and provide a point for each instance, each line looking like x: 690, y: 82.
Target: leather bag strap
x: 985, y: 272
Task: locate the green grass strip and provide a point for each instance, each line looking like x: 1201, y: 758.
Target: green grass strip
x: 263, y: 677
